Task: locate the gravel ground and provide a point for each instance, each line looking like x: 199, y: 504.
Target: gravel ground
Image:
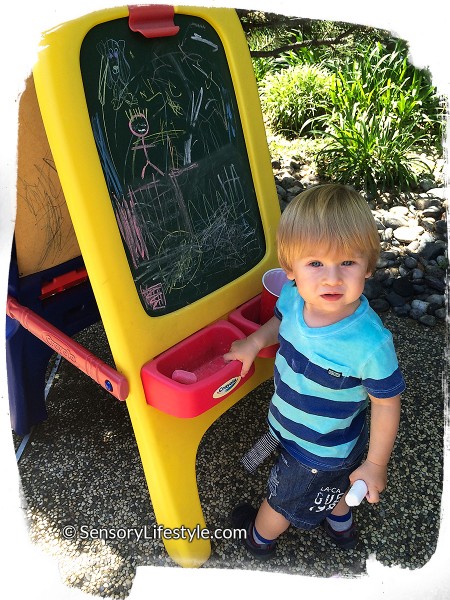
x: 81, y: 467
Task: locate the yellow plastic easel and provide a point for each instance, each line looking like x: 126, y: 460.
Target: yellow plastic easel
x: 167, y: 444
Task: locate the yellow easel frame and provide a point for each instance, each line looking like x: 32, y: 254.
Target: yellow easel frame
x: 167, y: 444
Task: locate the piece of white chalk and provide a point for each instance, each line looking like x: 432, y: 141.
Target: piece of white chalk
x: 356, y: 493
x: 183, y: 376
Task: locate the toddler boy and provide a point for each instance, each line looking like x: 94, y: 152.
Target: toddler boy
x: 334, y: 355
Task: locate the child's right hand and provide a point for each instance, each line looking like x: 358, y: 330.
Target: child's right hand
x: 245, y: 351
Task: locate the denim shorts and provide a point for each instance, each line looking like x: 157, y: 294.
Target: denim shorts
x: 303, y: 495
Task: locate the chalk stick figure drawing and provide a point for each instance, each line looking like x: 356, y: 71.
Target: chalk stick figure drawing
x: 139, y: 127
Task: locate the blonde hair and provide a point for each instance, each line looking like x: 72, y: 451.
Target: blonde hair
x: 333, y: 216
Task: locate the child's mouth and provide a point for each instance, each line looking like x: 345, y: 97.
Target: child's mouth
x: 332, y: 297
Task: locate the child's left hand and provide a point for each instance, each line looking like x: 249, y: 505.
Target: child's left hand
x: 375, y: 477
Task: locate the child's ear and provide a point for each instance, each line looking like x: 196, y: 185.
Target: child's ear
x: 289, y: 275
x: 368, y: 274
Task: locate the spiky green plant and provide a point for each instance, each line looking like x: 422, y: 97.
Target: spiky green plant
x: 384, y: 114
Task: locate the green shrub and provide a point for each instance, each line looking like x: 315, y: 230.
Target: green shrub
x: 292, y: 97
x: 384, y: 113
x: 368, y: 111
x: 369, y: 151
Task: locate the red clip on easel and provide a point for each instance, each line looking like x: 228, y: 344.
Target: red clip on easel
x: 153, y: 21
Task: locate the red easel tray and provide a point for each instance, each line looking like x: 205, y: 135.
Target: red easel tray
x: 246, y: 318
x: 202, y: 377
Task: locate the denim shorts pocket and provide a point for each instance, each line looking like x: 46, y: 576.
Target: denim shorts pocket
x: 288, y: 476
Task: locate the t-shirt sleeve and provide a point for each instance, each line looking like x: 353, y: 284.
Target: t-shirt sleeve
x: 288, y: 292
x: 381, y: 375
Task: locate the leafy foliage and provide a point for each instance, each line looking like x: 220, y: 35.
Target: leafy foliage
x: 293, y: 97
x: 384, y: 112
x: 352, y: 88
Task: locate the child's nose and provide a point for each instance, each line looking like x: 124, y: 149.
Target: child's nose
x: 333, y: 276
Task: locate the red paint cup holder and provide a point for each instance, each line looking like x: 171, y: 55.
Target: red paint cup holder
x: 247, y: 318
x: 208, y: 379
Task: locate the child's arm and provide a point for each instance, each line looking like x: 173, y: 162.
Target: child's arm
x: 247, y: 350
x: 384, y: 422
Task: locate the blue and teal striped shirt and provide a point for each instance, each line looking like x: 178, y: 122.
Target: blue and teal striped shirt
x: 322, y: 378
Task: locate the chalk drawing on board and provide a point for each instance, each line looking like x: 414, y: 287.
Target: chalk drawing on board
x: 114, y: 73
x: 169, y: 139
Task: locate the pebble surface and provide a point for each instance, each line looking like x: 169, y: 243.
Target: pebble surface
x: 82, y: 468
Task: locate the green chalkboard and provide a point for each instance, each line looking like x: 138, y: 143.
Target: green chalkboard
x: 166, y: 123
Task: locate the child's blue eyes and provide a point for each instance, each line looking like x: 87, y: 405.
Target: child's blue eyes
x: 345, y: 263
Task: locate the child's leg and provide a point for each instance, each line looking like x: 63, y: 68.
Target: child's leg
x: 340, y: 526
x: 341, y: 508
x: 262, y: 544
x: 269, y: 523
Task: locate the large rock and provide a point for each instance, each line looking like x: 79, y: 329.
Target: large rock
x: 408, y: 234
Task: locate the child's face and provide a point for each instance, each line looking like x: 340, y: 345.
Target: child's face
x: 330, y: 283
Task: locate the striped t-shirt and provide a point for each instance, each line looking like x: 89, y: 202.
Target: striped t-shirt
x: 322, y: 378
